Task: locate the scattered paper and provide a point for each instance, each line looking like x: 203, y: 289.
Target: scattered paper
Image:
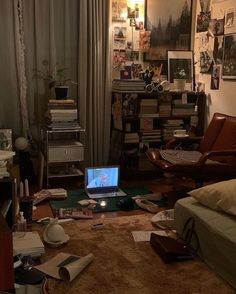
x: 141, y: 236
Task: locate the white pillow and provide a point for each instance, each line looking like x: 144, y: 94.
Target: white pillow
x: 218, y: 196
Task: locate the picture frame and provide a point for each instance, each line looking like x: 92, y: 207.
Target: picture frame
x: 170, y: 25
x: 229, y: 57
x: 6, y: 139
x: 181, y: 60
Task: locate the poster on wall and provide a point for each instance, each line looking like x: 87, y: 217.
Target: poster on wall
x: 204, y: 17
x: 170, y: 25
x: 229, y: 57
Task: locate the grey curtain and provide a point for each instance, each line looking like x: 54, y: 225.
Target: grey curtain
x: 74, y: 34
x: 95, y: 77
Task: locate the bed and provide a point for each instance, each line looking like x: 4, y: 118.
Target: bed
x: 217, y: 235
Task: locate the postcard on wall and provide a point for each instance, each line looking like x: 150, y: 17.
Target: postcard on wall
x: 203, y: 18
x: 144, y: 40
x: 218, y: 49
x: 215, y: 77
x: 119, y: 59
x: 217, y: 26
x: 120, y: 32
x: 230, y: 22
x: 119, y: 10
x: 206, y: 59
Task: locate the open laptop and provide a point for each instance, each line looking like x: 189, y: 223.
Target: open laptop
x: 102, y: 182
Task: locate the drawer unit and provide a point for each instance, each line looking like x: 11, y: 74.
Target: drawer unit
x: 65, y: 153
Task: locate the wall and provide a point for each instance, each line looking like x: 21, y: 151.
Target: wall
x: 222, y: 100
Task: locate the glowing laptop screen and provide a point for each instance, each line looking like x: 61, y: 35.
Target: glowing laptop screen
x: 102, y: 177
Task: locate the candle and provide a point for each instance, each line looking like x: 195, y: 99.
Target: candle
x: 103, y: 203
x: 21, y: 190
x: 26, y: 188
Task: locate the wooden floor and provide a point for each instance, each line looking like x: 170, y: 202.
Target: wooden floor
x: 173, y: 190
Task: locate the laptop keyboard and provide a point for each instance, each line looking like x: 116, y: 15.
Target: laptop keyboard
x: 103, y: 190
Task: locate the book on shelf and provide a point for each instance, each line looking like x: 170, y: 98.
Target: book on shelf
x: 61, y: 101
x: 146, y: 123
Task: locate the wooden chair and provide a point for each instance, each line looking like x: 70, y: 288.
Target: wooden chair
x: 216, y: 159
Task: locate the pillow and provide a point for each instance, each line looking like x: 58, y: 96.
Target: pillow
x: 219, y: 196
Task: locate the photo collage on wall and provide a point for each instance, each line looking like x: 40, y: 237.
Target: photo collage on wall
x: 130, y: 38
x: 216, y: 34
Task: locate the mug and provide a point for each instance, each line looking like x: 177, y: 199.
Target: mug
x: 180, y: 133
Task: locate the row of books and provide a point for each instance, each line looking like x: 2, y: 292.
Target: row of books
x: 128, y: 85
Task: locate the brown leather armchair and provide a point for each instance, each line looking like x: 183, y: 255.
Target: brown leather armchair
x: 215, y: 158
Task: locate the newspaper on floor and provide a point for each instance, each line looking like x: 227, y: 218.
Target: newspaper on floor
x: 65, y: 266
x: 141, y: 236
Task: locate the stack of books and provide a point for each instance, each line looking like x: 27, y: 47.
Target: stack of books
x: 169, y: 126
x: 179, y: 108
x: 148, y: 106
x: 4, y: 157
x: 131, y: 138
x: 150, y: 136
x: 28, y: 243
x: 62, y: 114
x: 137, y: 86
x: 165, y: 109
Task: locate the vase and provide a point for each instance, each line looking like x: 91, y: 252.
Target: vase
x: 179, y: 84
x: 61, y: 92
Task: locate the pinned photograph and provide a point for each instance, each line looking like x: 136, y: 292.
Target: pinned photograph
x: 218, y: 49
x: 119, y: 10
x: 230, y: 26
x: 215, y: 77
x: 206, y: 59
x: 144, y: 40
x: 204, y: 17
x: 217, y: 26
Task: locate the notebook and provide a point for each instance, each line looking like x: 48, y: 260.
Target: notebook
x: 102, y: 182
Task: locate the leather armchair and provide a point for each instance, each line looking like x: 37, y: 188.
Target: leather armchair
x: 216, y: 149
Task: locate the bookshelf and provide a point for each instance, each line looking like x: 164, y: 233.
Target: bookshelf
x: 147, y: 120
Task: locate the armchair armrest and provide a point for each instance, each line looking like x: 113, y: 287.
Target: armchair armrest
x: 175, y: 141
x: 210, y: 154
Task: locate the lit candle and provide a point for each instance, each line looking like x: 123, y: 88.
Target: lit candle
x: 21, y: 190
x: 103, y: 203
x: 26, y: 188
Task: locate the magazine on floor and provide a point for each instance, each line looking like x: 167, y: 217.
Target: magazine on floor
x: 75, y: 213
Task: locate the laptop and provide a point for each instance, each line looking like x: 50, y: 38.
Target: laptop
x: 103, y: 182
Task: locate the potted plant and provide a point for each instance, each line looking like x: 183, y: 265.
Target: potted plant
x: 179, y: 79
x: 56, y: 79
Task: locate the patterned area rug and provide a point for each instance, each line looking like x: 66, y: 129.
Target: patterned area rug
x: 122, y: 266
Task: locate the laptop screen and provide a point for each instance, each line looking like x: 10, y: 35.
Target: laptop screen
x: 96, y: 177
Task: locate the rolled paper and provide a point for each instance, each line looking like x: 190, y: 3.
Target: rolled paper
x: 21, y: 190
x: 71, y: 270
x: 26, y: 188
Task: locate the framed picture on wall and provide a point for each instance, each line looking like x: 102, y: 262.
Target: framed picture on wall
x: 229, y: 57
x: 170, y: 25
x: 180, y: 66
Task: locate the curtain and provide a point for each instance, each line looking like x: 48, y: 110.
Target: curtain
x: 95, y: 78
x: 73, y: 34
